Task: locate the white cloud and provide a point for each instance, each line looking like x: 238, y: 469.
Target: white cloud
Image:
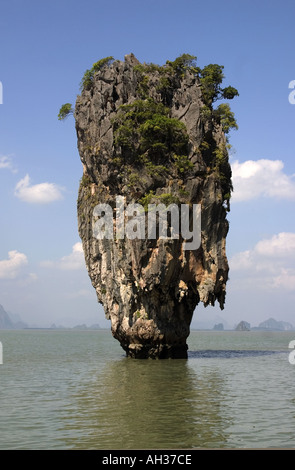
x: 73, y: 261
x: 269, y: 264
x: 11, y: 267
x: 280, y: 245
x: 253, y: 179
x: 41, y: 193
x: 285, y: 279
x: 242, y: 260
x: 6, y: 163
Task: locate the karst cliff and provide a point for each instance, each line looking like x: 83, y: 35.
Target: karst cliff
x: 150, y: 135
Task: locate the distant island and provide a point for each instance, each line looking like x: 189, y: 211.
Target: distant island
x: 268, y: 325
x: 7, y: 323
x: 273, y: 325
x: 243, y: 326
x: 77, y: 327
x: 10, y: 321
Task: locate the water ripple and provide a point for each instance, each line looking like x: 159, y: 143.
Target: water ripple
x: 228, y: 353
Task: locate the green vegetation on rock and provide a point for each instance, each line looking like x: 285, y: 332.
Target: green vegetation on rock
x: 164, y: 198
x: 144, y: 128
x: 87, y: 79
x: 211, y: 77
x: 226, y: 117
x: 147, y: 139
x: 65, y: 110
x: 183, y: 63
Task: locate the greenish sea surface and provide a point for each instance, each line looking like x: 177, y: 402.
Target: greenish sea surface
x: 68, y: 389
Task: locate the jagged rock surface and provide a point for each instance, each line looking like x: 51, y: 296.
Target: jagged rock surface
x: 150, y: 288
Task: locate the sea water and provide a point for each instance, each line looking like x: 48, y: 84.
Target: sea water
x: 69, y: 389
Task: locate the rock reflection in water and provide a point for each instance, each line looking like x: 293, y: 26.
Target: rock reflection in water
x: 150, y: 405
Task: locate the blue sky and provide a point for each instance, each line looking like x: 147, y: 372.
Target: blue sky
x: 45, y: 47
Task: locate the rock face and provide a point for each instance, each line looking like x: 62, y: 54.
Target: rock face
x: 150, y: 287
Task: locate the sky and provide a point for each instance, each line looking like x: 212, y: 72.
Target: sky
x: 45, y: 48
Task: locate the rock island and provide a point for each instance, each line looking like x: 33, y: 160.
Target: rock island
x: 151, y: 135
